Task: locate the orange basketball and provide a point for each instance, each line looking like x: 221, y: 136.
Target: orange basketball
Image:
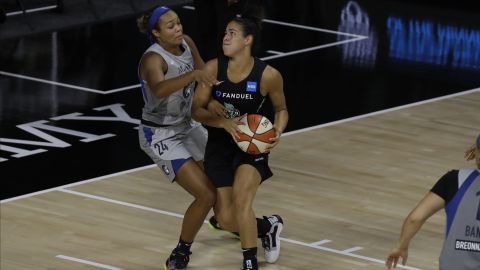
x: 257, y: 132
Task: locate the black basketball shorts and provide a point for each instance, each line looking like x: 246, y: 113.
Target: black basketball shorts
x: 222, y: 158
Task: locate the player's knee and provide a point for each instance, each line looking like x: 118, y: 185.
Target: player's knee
x: 225, y: 220
x: 241, y: 204
x: 207, y: 198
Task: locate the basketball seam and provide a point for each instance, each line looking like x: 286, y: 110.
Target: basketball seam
x: 254, y: 132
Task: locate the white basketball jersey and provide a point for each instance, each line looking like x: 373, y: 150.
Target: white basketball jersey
x: 175, y: 108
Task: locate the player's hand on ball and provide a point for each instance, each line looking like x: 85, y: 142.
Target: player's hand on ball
x: 231, y: 126
x: 273, y: 141
x: 256, y: 134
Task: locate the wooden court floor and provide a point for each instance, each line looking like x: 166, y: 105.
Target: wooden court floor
x: 343, y: 190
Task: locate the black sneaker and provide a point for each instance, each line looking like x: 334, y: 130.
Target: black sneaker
x: 271, y: 241
x: 250, y: 264
x: 177, y: 261
x: 213, y: 224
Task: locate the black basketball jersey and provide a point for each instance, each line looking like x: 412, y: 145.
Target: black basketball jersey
x: 242, y: 97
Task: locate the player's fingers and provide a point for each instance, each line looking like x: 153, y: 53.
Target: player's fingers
x: 388, y: 263
x: 238, y: 130
x: 225, y: 113
x: 207, y: 81
x: 274, y: 139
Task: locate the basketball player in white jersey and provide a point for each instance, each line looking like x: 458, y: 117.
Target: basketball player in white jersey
x: 458, y: 191
x: 168, y: 71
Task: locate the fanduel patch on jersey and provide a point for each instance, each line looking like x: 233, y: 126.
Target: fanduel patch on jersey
x: 236, y: 96
x: 251, y: 86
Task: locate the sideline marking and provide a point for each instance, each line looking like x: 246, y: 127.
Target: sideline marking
x: 14, y: 13
x: 99, y: 265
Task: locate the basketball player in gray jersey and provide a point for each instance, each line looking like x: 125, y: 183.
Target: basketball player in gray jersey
x: 168, y: 71
x: 458, y: 191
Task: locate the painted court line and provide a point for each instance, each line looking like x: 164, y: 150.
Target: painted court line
x: 31, y: 10
x: 15, y: 75
x: 321, y: 242
x: 346, y: 252
x: 331, y: 250
x: 323, y: 46
x: 274, y: 52
x: 381, y: 112
x: 312, y: 28
x: 99, y: 265
x: 294, y: 25
x: 122, y: 89
x: 77, y: 183
x: 96, y: 91
x: 351, y: 250
x: 284, y: 134
x: 137, y: 206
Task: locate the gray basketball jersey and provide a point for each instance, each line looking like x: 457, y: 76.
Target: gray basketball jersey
x: 175, y: 108
x: 461, y: 249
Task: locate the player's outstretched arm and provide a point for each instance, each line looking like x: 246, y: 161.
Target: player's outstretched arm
x: 202, y: 97
x: 428, y: 206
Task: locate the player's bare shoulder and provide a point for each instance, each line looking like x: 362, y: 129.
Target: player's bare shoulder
x: 188, y: 40
x: 271, y: 79
x: 211, y: 67
x: 152, y: 61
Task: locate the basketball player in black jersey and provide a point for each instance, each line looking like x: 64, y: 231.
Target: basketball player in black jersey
x: 248, y: 86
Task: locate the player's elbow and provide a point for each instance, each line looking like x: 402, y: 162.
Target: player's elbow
x: 159, y: 90
x: 158, y: 93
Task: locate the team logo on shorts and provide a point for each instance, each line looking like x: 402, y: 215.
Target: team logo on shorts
x: 165, y: 169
